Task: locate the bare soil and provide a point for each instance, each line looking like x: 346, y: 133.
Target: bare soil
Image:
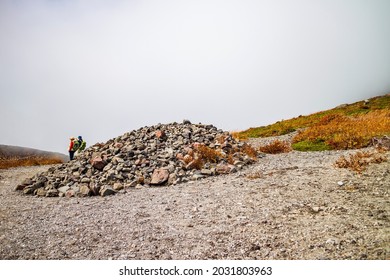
x: 289, y: 206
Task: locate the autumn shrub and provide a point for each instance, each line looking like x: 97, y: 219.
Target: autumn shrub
x: 203, y: 154
x: 347, y: 132
x: 230, y: 159
x: 276, y: 147
x: 359, y: 161
x: 249, y: 151
x: 28, y: 161
x: 208, y: 154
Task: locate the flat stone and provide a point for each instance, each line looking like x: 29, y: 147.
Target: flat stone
x: 63, y: 189
x: 159, y: 176
x: 117, y: 186
x: 85, y: 180
x: 198, y: 176
x: 207, y: 172
x: 106, y: 190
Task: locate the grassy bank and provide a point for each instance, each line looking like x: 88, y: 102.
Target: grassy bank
x: 347, y: 126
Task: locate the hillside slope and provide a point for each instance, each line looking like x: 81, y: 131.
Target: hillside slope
x: 14, y: 156
x: 347, y: 126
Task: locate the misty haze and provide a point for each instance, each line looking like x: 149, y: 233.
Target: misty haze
x: 101, y: 68
x: 195, y: 130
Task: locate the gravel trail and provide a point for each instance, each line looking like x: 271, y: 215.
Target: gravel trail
x: 288, y: 206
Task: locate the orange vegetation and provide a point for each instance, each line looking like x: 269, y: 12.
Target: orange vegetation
x: 28, y: 161
x: 359, y: 161
x: 347, y: 132
x: 276, y: 147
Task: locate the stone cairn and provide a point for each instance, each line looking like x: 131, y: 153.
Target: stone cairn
x: 160, y: 155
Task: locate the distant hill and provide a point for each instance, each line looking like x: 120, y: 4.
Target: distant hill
x: 13, y: 156
x: 346, y: 126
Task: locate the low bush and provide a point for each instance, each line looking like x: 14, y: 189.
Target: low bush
x: 276, y: 147
x: 203, y: 154
x: 359, y: 161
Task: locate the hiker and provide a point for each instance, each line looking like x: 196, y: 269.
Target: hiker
x: 82, y: 144
x: 73, y: 147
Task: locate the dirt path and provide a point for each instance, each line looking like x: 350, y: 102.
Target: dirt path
x: 287, y: 206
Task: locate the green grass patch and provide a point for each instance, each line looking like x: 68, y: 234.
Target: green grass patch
x: 311, y: 146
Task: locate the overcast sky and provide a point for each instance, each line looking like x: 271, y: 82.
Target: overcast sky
x: 101, y: 68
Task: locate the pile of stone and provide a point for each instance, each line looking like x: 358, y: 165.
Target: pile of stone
x: 164, y: 154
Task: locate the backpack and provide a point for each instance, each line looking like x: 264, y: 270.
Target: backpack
x: 76, y: 145
x: 82, y: 146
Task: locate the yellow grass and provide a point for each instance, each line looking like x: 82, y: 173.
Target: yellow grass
x: 28, y: 161
x: 344, y: 127
x: 347, y: 132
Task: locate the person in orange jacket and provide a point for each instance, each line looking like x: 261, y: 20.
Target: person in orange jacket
x: 71, y: 148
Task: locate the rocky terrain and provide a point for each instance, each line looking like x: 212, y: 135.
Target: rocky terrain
x: 296, y: 205
x: 164, y: 154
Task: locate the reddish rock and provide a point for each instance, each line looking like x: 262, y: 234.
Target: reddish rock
x: 98, y: 163
x: 160, y: 134
x: 70, y: 193
x: 118, y: 145
x: 159, y: 176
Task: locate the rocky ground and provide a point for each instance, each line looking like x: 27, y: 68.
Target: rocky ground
x: 288, y: 206
x: 164, y: 154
